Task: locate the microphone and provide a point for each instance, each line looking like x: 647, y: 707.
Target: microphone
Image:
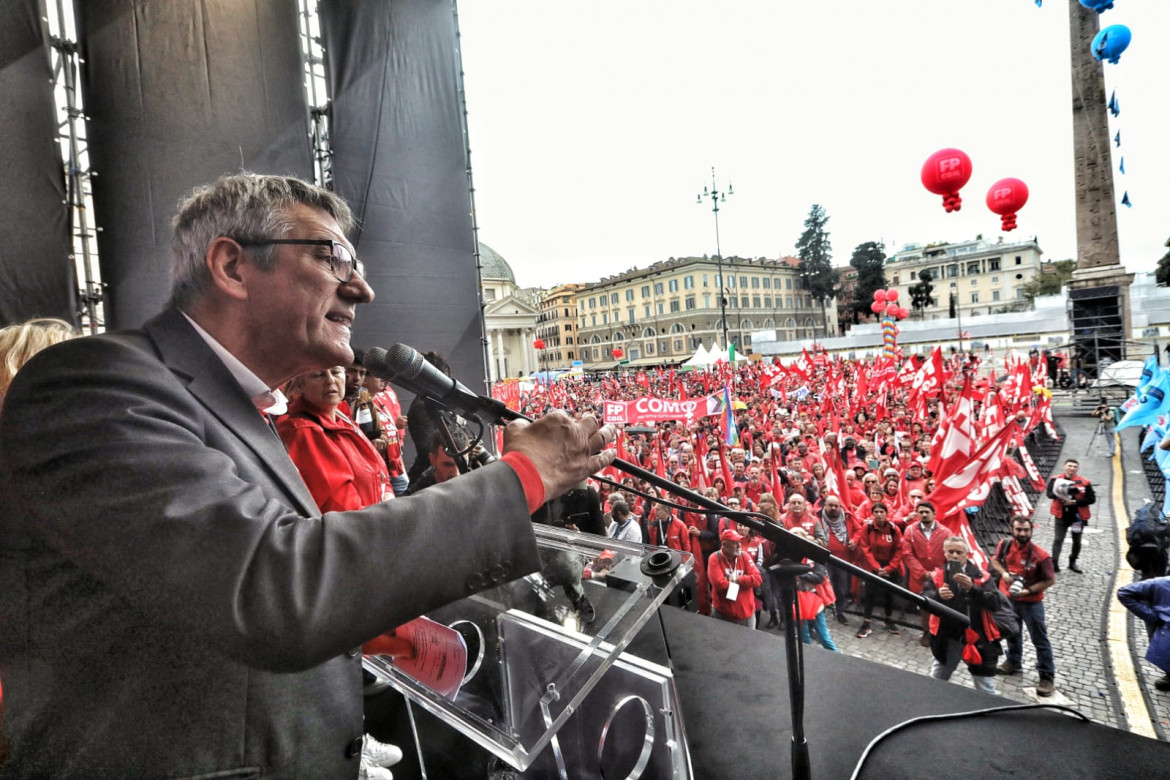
x: 404, y: 366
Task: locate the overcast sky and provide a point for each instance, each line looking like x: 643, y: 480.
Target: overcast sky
x: 594, y: 126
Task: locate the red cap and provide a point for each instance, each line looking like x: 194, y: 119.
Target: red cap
x: 729, y: 535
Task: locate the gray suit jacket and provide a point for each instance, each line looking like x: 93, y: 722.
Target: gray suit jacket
x: 172, y: 602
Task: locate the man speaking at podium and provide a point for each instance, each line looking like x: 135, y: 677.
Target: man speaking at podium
x: 172, y: 601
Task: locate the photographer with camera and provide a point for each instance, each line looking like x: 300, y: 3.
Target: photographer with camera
x: 963, y: 587
x: 1108, y: 417
x: 1025, y: 572
x: 1071, y: 495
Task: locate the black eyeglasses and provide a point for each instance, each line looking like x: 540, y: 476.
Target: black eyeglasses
x: 341, y: 260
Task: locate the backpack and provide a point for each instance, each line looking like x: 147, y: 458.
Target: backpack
x: 1005, y: 616
x: 1148, y: 532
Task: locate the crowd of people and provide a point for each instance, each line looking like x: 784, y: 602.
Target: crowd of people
x: 238, y: 493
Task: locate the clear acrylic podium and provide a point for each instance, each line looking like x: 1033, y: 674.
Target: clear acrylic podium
x: 534, y: 672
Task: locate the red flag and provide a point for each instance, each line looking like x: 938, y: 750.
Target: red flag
x: 962, y: 488
x: 956, y: 438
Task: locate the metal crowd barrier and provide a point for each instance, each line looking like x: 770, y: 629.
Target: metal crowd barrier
x: 993, y: 521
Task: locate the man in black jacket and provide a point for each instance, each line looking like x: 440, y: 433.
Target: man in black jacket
x: 964, y: 588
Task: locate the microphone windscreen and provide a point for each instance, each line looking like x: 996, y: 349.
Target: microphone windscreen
x: 405, y: 361
x: 374, y: 361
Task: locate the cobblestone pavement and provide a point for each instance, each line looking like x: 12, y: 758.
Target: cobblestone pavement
x: 1075, y: 606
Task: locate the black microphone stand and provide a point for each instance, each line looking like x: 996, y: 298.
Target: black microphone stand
x: 792, y: 549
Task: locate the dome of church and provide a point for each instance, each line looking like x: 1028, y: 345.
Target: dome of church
x: 494, y: 266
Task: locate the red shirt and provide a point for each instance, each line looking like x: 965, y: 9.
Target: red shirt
x: 922, y: 555
x: 879, y: 548
x: 338, y: 463
x: 719, y: 572
x: 677, y: 536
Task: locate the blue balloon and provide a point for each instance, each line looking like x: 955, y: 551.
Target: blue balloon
x: 1111, y: 42
x: 1099, y: 6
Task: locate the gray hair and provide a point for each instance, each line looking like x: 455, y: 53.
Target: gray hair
x: 243, y: 206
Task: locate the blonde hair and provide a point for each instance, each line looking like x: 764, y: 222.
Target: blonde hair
x: 18, y: 343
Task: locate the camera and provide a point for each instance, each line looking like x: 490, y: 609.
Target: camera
x: 953, y: 568
x: 1017, y: 586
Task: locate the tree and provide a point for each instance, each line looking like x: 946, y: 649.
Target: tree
x: 816, y: 254
x: 1162, y: 275
x: 1051, y: 278
x: 920, y: 293
x: 869, y: 260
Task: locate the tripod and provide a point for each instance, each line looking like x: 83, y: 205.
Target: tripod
x: 1099, y: 430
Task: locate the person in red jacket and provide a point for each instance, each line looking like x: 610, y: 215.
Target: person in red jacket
x: 734, y: 578
x: 1071, y: 495
x: 666, y: 530
x: 840, y: 528
x: 338, y: 463
x: 922, y: 554
x: 879, y: 547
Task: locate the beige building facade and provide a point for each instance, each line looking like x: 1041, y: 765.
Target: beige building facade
x: 660, y: 314
x: 557, y: 327
x: 986, y: 277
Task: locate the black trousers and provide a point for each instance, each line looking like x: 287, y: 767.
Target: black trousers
x: 1059, y: 530
x: 873, y: 593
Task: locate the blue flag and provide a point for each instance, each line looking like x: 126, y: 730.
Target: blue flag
x: 1152, y: 403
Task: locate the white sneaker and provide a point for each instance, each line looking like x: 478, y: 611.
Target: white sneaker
x: 379, y: 754
x: 370, y: 772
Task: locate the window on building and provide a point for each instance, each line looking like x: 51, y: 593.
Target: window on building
x: 767, y: 301
x: 646, y: 310
x: 755, y: 301
x: 630, y: 314
x: 690, y: 302
x: 732, y: 301
x: 630, y: 294
x: 1019, y: 260
x: 788, y: 301
x: 605, y: 318
x: 678, y: 345
x: 974, y: 282
x: 743, y: 282
x: 995, y: 295
x: 706, y: 300
x: 954, y: 284
x: 569, y: 341
x: 975, y: 297
x: 767, y: 283
x: 913, y: 275
x: 594, y: 322
x: 993, y: 264
x: 649, y: 347
x: 756, y: 282
x: 672, y: 285
x: 743, y: 302
x: 645, y: 291
x: 677, y: 328
x: 788, y: 283
x: 952, y: 270
x: 704, y: 280
x: 664, y: 346
x: 592, y: 303
x: 570, y: 354
x: 674, y: 305
x: 995, y: 280
x: 731, y: 281
x: 660, y: 307
x: 973, y: 267
x: 658, y: 288
x: 613, y: 299
x: 688, y: 282
x: 1019, y: 293
x: 746, y: 325
x: 568, y: 326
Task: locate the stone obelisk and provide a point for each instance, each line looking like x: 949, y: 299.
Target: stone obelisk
x: 1099, y: 288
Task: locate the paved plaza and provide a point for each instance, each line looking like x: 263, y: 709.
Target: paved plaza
x: 1098, y: 646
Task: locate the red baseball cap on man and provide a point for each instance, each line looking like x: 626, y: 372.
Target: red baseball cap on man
x: 728, y: 535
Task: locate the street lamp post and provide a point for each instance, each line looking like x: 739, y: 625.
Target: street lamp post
x: 718, y: 197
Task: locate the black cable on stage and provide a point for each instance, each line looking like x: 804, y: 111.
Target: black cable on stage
x: 955, y: 716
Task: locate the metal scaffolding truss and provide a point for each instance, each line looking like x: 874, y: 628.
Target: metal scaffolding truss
x: 316, y: 92
x: 71, y: 135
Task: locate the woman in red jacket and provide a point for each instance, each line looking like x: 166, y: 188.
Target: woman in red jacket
x: 879, y: 546
x: 340, y: 466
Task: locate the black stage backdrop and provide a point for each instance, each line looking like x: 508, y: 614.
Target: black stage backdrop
x: 37, y: 277
x: 400, y: 161
x: 180, y: 93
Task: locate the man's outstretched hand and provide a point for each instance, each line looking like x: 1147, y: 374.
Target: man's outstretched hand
x: 565, y: 451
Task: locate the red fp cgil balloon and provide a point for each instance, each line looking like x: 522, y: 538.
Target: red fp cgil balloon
x: 944, y: 173
x: 891, y: 295
x: 1006, y: 197
x: 879, y: 295
x: 539, y: 343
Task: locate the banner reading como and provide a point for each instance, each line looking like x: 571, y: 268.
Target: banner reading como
x: 651, y: 410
